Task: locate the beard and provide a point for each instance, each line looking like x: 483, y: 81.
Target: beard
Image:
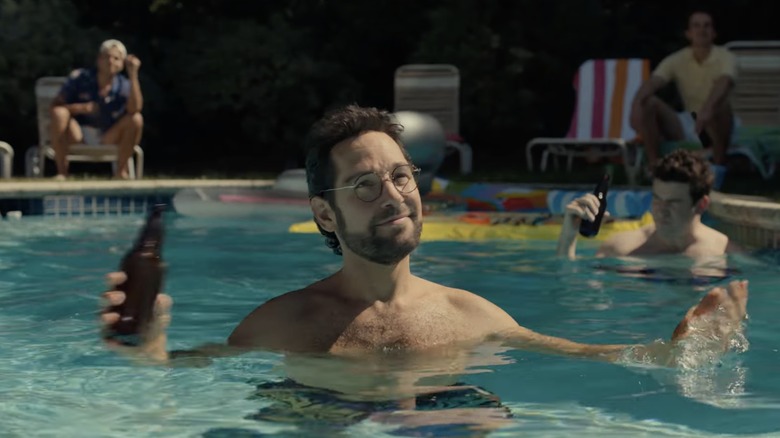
x: 383, y: 250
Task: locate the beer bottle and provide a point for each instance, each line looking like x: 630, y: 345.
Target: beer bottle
x: 144, y: 268
x: 591, y: 228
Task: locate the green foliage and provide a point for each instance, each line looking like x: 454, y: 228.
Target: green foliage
x: 247, y: 78
x: 37, y: 38
x: 260, y: 81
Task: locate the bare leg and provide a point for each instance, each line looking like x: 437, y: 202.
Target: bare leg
x: 125, y: 133
x: 720, y: 130
x: 658, y: 122
x: 64, y: 131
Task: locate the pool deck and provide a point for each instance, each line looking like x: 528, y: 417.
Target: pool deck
x: 45, y: 187
x: 752, y: 221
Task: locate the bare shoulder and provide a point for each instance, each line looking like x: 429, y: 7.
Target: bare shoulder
x: 715, y: 241
x: 625, y: 242
x: 477, y: 311
x: 273, y: 323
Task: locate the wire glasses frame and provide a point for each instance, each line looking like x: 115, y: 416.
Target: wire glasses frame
x: 369, y: 186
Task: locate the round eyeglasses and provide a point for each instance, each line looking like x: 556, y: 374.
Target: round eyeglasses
x: 368, y: 187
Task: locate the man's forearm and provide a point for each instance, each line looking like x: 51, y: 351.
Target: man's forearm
x: 524, y: 339
x: 135, y: 101
x: 567, y: 245
x: 648, y: 88
x: 720, y: 89
x: 567, y: 240
x: 658, y: 352
x: 76, y: 108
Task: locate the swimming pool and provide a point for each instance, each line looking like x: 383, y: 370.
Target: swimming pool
x: 58, y: 380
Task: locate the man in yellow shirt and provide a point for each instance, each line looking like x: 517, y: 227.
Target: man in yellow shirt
x: 704, y: 75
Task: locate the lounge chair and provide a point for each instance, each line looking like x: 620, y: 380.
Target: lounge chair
x: 46, y: 89
x: 600, y: 124
x: 756, y: 101
x: 6, y: 159
x: 434, y: 89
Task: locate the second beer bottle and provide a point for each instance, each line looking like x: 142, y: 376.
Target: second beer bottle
x: 591, y: 228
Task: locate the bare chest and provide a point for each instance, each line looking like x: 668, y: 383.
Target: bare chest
x: 696, y: 249
x: 419, y: 330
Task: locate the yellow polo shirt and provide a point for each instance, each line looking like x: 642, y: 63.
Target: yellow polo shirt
x: 694, y: 80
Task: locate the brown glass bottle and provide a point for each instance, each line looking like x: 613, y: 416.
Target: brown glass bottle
x: 145, y: 269
x: 591, y: 228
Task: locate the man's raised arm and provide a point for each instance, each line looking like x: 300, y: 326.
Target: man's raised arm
x: 713, y: 322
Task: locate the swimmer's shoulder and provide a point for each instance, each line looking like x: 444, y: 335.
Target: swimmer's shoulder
x: 718, y: 243
x: 477, y: 312
x: 281, y: 323
x: 626, y: 242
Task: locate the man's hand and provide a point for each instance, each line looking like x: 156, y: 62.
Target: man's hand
x: 92, y: 108
x: 153, y: 338
x: 717, y: 316
x: 132, y: 64
x: 703, y: 118
x: 708, y: 330
x: 584, y: 207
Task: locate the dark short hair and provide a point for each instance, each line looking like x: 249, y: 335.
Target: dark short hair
x: 699, y: 9
x: 333, y: 128
x: 685, y: 166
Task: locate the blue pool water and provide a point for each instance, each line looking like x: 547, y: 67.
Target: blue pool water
x: 58, y: 380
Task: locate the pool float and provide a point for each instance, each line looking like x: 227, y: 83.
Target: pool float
x: 620, y: 203
x: 477, y: 226
x: 288, y: 196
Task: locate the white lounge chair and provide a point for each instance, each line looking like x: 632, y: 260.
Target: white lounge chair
x: 46, y: 89
x: 756, y: 101
x: 6, y: 159
x: 434, y: 89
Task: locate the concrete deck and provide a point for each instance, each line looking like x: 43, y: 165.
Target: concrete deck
x: 41, y: 187
x: 750, y: 220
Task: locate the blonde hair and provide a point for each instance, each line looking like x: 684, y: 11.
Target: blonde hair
x: 107, y: 45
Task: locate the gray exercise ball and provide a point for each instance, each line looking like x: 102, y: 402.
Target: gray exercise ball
x: 424, y: 139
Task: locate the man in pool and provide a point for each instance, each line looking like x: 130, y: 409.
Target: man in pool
x: 681, y: 193
x: 365, y: 201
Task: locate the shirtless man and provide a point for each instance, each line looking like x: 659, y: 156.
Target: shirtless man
x: 365, y: 201
x: 681, y: 189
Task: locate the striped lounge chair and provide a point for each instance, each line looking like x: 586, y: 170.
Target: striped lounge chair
x: 600, y: 124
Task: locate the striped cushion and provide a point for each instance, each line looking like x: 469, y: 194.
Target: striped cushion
x: 605, y: 89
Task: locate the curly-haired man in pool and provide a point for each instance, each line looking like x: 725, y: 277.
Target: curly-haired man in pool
x: 681, y: 193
